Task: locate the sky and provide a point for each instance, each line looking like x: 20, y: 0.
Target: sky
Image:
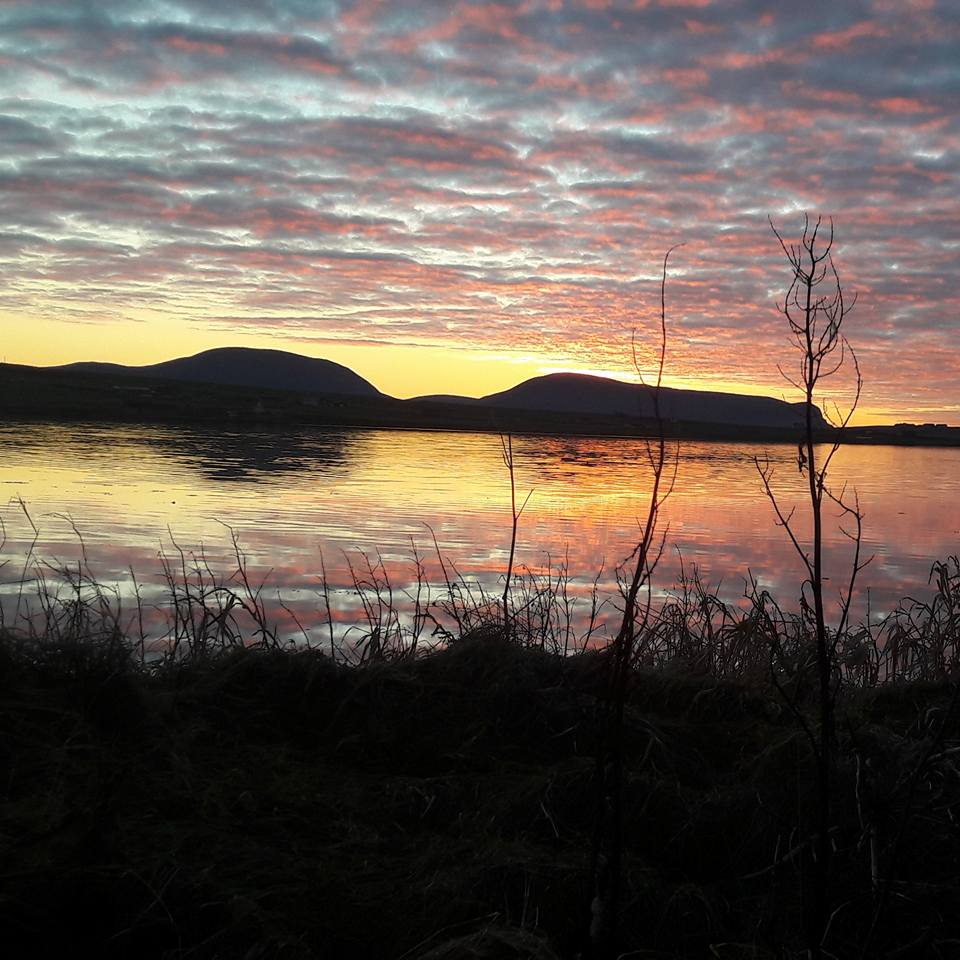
x: 451, y: 197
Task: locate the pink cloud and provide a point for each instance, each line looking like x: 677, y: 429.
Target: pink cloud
x: 839, y: 40
x: 185, y: 45
x: 904, y: 105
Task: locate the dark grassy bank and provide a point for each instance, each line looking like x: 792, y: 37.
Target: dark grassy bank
x: 260, y: 803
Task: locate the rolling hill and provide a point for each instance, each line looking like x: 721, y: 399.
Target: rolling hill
x: 602, y: 401
x: 246, y: 367
x: 600, y: 396
x: 236, y: 385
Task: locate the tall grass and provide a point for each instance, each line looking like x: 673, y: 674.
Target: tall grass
x: 918, y: 641
x: 401, y: 610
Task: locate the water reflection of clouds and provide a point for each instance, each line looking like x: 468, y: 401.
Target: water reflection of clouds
x: 292, y: 498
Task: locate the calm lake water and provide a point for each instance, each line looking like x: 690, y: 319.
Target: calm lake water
x: 123, y: 495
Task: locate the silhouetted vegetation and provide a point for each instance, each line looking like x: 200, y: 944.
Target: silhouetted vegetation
x: 242, y: 796
x: 815, y: 308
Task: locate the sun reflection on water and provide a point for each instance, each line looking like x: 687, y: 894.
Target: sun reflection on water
x: 122, y: 495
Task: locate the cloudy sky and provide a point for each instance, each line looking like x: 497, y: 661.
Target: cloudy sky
x: 451, y: 197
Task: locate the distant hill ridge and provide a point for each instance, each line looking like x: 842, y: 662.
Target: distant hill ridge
x: 582, y: 393
x: 248, y: 367
x: 555, y: 393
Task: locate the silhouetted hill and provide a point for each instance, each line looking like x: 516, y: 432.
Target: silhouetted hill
x: 446, y: 398
x: 273, y: 388
x: 554, y: 393
x: 247, y: 367
x: 581, y: 393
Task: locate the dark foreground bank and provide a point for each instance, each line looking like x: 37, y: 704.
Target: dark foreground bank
x: 267, y: 804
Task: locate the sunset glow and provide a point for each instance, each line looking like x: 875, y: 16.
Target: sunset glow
x: 455, y: 197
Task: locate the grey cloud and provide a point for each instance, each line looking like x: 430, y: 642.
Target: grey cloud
x: 493, y: 177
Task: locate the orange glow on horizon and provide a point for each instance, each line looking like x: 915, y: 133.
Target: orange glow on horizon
x: 399, y: 370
